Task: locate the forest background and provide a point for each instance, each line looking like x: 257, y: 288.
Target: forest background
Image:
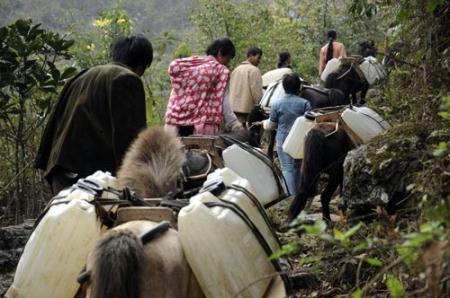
x: 43, y: 43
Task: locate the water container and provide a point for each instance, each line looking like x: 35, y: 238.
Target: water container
x: 365, y: 122
x: 295, y: 141
x: 240, y: 192
x: 264, y: 176
x: 274, y: 75
x: 331, y: 67
x: 57, y: 249
x: 274, y: 93
x: 372, y: 70
x: 225, y: 254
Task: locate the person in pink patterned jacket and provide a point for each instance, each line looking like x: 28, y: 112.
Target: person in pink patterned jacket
x: 199, y: 101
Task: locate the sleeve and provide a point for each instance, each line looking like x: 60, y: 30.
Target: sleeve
x: 256, y: 85
x: 127, y: 113
x: 307, y: 106
x: 228, y: 114
x: 274, y: 115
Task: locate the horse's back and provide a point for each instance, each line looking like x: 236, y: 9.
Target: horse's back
x: 317, y: 98
x: 167, y: 273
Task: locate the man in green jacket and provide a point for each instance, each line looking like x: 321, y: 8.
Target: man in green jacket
x: 98, y: 114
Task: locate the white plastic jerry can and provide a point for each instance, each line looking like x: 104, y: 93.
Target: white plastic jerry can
x: 295, y: 141
x: 240, y: 192
x: 274, y: 93
x: 258, y: 170
x: 332, y: 65
x: 372, y: 70
x: 365, y: 122
x: 226, y: 257
x: 57, y: 249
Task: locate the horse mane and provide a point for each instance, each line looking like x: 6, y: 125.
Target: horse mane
x: 117, y: 265
x: 153, y: 164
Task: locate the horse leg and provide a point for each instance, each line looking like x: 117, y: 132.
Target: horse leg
x: 336, y: 177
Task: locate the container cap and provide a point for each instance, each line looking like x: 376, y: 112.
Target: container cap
x: 310, y: 115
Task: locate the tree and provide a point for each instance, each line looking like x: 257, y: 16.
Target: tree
x: 29, y: 77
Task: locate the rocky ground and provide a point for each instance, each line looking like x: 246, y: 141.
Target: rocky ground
x: 12, y: 241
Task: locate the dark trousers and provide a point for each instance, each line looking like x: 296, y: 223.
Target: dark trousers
x: 184, y: 131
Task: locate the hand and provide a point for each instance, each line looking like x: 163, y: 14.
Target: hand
x: 237, y: 125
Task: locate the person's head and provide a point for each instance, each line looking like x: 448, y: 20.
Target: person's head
x: 332, y: 34
x: 135, y: 51
x: 222, y: 49
x: 284, y: 59
x: 291, y: 83
x: 254, y: 55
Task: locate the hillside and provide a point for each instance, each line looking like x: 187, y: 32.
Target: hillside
x: 149, y: 17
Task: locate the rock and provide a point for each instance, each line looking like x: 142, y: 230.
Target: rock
x: 378, y: 174
x: 12, y: 242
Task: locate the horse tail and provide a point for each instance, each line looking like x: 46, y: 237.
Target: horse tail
x: 312, y: 165
x: 153, y: 164
x: 117, y: 265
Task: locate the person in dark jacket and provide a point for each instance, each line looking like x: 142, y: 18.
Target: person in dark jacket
x: 98, y: 114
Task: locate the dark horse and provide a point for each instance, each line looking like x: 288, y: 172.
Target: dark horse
x: 351, y: 81
x: 321, y: 98
x: 325, y: 149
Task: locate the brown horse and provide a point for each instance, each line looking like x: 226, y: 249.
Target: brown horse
x: 120, y: 265
x: 325, y: 150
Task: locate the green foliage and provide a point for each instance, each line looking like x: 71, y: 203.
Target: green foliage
x: 30, y: 63
x: 411, y: 248
x: 357, y: 293
x: 395, y: 287
x: 92, y: 46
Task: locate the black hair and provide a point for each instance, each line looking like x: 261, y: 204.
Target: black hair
x: 291, y: 83
x: 132, y: 51
x: 224, y: 46
x: 331, y: 37
x: 254, y: 51
x: 283, y: 59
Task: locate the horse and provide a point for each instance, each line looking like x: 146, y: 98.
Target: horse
x: 124, y: 264
x: 350, y: 81
x: 324, y: 151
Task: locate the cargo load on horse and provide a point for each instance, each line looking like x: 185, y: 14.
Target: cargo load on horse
x: 326, y: 146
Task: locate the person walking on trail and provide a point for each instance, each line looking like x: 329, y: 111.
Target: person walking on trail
x: 283, y: 67
x: 246, y: 85
x: 333, y: 49
x: 199, y: 100
x: 282, y: 117
x: 98, y: 114
x: 284, y: 60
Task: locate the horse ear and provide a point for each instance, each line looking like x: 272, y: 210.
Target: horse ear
x: 84, y: 276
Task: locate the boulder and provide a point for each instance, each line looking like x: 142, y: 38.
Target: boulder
x: 382, y: 172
